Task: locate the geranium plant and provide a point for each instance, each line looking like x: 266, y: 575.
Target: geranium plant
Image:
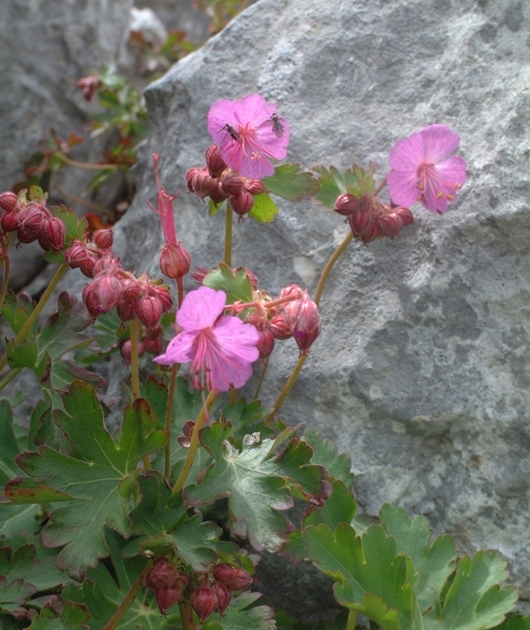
x: 118, y: 524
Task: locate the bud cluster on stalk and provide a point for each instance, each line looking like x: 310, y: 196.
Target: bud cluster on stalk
x: 32, y: 221
x: 139, y: 298
x: 218, y: 182
x: 369, y: 218
x: 292, y: 314
x: 207, y: 592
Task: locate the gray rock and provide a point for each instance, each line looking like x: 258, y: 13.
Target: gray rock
x: 422, y: 368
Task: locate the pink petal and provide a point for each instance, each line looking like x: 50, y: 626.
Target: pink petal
x: 179, y: 350
x: 200, y: 309
x: 453, y: 170
x: 402, y: 187
x: 407, y: 154
x: 221, y: 113
x: 439, y: 142
x: 237, y: 338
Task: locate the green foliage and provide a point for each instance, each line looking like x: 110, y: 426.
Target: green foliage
x: 291, y: 184
x: 236, y: 284
x: 355, y: 181
x: 264, y: 209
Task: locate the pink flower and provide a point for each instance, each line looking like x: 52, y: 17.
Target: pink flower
x: 423, y: 171
x: 249, y: 132
x: 221, y: 349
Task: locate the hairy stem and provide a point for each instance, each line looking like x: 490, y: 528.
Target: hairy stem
x: 135, y: 375
x: 352, y: 620
x: 261, y: 378
x: 228, y: 234
x: 169, y: 417
x: 194, y: 444
x: 37, y: 310
x: 186, y: 616
x: 128, y: 599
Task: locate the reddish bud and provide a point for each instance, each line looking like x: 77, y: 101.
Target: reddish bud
x: 217, y: 195
x: 89, y: 85
x: 162, y: 574
x: 203, y: 602
x: 190, y: 177
x: 166, y: 597
x: 236, y: 579
x: 148, y: 309
x: 279, y: 327
x: 103, y: 294
x: 242, y: 203
x: 265, y: 343
x: 361, y: 222
x: 154, y: 346
x: 126, y: 350
x: 371, y: 234
x: 306, y: 327
x: 405, y: 215
x: 163, y: 295
x: 103, y: 238
x: 255, y: 187
x: 232, y: 185
x: 390, y: 224
x: 52, y: 234
x: 346, y: 204
x: 223, y: 595
x: 125, y: 309
x: 10, y: 221
x: 175, y: 261
x: 204, y: 184
x: 8, y: 201
x: 215, y: 163
x: 31, y: 217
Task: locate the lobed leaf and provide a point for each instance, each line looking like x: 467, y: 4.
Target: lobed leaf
x: 236, y: 284
x: 264, y: 209
x: 289, y: 183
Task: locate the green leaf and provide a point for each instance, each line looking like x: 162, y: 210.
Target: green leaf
x: 324, y: 454
x: 251, y: 480
x: 515, y: 623
x: 289, y: 183
x: 75, y: 227
x: 243, y: 615
x: 14, y: 594
x: 18, y: 519
x: 213, y: 208
x: 434, y: 563
x: 355, y: 181
x: 10, y: 447
x: 294, y: 465
x: 161, y: 520
x: 71, y: 617
x: 475, y: 600
x: 101, y: 476
x: 60, y: 375
x: 60, y: 333
x: 264, y: 209
x: 371, y: 577
x: 236, y: 284
x: 16, y: 310
x: 339, y: 507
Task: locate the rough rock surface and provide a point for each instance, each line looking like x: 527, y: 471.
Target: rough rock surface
x: 422, y: 369
x: 46, y: 47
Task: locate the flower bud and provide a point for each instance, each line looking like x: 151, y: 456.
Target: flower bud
x: 8, y: 201
x: 103, y: 238
x: 405, y: 215
x: 217, y: 195
x: 223, y: 595
x: 203, y: 602
x: 371, y: 234
x: 10, y: 222
x: 32, y: 216
x: 125, y: 309
x: 190, y: 178
x: 162, y: 574
x: 346, y: 204
x: 279, y: 327
x: 361, y: 222
x: 163, y: 295
x: 166, y: 597
x: 306, y: 326
x: 236, y: 579
x: 215, y: 163
x: 204, y: 184
x: 232, y: 185
x: 175, y: 261
x: 242, y: 203
x: 265, y: 343
x: 103, y: 294
x: 154, y: 346
x: 255, y: 187
x: 389, y: 224
x: 148, y: 309
x: 52, y: 234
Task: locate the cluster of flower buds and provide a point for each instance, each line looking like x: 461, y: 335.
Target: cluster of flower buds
x: 32, y: 221
x: 369, y: 218
x: 140, y: 298
x: 293, y: 314
x: 218, y: 182
x: 215, y: 595
x: 167, y: 582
